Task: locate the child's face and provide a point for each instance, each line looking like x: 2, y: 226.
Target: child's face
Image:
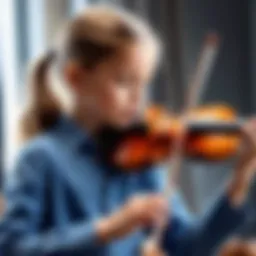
x: 114, y: 90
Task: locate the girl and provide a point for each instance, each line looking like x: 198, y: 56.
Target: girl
x: 61, y: 200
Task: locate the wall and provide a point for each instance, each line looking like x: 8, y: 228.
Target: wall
x: 230, y: 20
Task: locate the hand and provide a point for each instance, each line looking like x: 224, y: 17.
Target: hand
x: 246, y: 165
x: 147, y: 210
x: 238, y: 247
x: 140, y: 211
x: 150, y: 248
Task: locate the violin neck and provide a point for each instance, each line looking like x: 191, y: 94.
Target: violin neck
x: 213, y: 126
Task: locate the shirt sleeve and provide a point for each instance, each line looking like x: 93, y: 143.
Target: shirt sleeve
x: 19, y: 226
x: 189, y: 236
x: 202, y: 237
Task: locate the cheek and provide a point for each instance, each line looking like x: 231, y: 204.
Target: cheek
x: 114, y: 97
x: 116, y: 106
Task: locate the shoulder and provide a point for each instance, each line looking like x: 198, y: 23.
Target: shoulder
x: 28, y: 167
x: 37, y: 148
x: 33, y: 155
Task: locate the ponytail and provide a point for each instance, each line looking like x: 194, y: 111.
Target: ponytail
x: 43, y: 107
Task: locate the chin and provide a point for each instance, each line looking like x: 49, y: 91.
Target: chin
x: 124, y: 123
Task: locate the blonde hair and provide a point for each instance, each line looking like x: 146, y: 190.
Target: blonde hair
x: 95, y: 34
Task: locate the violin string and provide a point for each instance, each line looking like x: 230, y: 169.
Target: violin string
x: 195, y: 90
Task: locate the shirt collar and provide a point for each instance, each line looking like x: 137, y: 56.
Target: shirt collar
x: 73, y: 134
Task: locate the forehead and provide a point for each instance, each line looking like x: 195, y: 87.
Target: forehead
x: 136, y: 55
x: 137, y: 59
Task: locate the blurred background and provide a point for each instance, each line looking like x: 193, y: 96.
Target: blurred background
x: 28, y: 28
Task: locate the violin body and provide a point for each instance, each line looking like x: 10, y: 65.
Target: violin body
x: 213, y: 133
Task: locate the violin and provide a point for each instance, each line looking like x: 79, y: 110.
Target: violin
x: 213, y: 133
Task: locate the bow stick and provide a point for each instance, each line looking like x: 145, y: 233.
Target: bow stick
x: 196, y: 87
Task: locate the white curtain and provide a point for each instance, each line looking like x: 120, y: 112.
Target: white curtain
x: 10, y: 75
x: 28, y: 28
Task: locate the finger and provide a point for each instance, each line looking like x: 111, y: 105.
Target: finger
x: 252, y: 247
x: 159, y: 217
x: 160, y: 210
x: 249, y: 127
x: 157, y: 199
x: 251, y: 165
x: 156, y: 209
x: 161, y: 220
x: 158, y: 203
x: 150, y: 248
x: 249, y: 132
x: 249, y: 170
x: 153, y: 219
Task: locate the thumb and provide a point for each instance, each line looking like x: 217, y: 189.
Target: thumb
x: 150, y: 248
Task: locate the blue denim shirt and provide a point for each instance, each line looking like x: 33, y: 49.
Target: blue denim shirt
x: 58, y: 189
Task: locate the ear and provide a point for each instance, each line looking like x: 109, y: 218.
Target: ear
x: 73, y: 73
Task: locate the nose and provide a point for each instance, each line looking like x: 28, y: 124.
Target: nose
x: 137, y: 97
